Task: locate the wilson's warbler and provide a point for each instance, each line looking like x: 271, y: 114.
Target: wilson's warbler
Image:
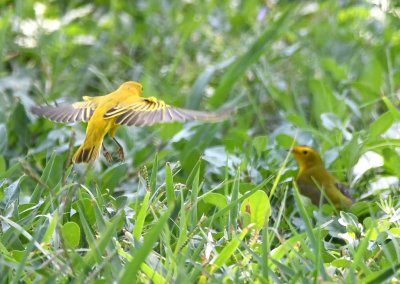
x: 105, y: 114
x: 313, y: 178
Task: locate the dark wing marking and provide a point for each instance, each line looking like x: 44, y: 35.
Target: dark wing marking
x: 149, y: 111
x: 310, y: 190
x: 80, y: 111
x: 343, y: 189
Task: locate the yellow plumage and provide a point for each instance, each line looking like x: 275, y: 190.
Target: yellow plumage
x: 313, y: 178
x: 105, y: 114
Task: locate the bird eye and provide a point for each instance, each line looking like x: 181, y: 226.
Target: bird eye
x: 305, y: 152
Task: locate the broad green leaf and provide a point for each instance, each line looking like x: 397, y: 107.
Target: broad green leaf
x: 395, y: 232
x: 11, y: 193
x: 341, y: 263
x: 260, y: 143
x: 216, y: 199
x: 258, y: 207
x: 71, y: 234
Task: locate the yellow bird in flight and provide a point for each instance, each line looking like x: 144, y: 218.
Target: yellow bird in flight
x: 313, y: 178
x: 125, y: 106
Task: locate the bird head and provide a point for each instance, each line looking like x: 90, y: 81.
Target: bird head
x: 307, y: 157
x: 132, y: 87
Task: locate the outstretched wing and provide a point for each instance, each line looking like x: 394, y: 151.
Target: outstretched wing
x: 148, y: 111
x: 79, y: 111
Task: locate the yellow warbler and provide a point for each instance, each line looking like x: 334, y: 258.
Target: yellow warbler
x: 105, y: 114
x: 313, y: 178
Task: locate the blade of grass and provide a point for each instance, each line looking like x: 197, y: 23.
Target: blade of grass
x: 382, y: 275
x: 227, y: 251
x: 234, y: 211
x: 193, y: 197
x: 137, y: 230
x: 129, y: 274
x: 99, y: 246
x: 395, y: 112
x: 315, y: 243
x: 169, y: 186
x: 153, y: 177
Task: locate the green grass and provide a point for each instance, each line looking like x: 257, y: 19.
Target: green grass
x: 199, y: 202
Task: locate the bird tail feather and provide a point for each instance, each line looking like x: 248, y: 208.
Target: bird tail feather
x: 87, y: 152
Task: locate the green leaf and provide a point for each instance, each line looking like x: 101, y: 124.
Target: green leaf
x: 215, y: 199
x: 11, y: 194
x: 259, y: 208
x: 350, y: 221
x: 341, y: 263
x: 71, y: 234
x: 395, y: 232
x: 380, y: 125
x: 260, y: 143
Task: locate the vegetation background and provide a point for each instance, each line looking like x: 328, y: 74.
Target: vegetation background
x: 198, y: 202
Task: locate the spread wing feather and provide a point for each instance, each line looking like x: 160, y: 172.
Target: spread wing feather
x: 80, y: 111
x: 149, y: 111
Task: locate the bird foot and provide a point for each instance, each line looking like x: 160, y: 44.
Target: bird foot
x: 121, y: 154
x: 108, y: 156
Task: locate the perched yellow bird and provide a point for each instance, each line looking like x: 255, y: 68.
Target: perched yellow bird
x: 105, y: 114
x: 313, y: 178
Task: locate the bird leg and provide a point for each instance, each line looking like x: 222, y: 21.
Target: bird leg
x: 120, y: 150
x: 107, y: 154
